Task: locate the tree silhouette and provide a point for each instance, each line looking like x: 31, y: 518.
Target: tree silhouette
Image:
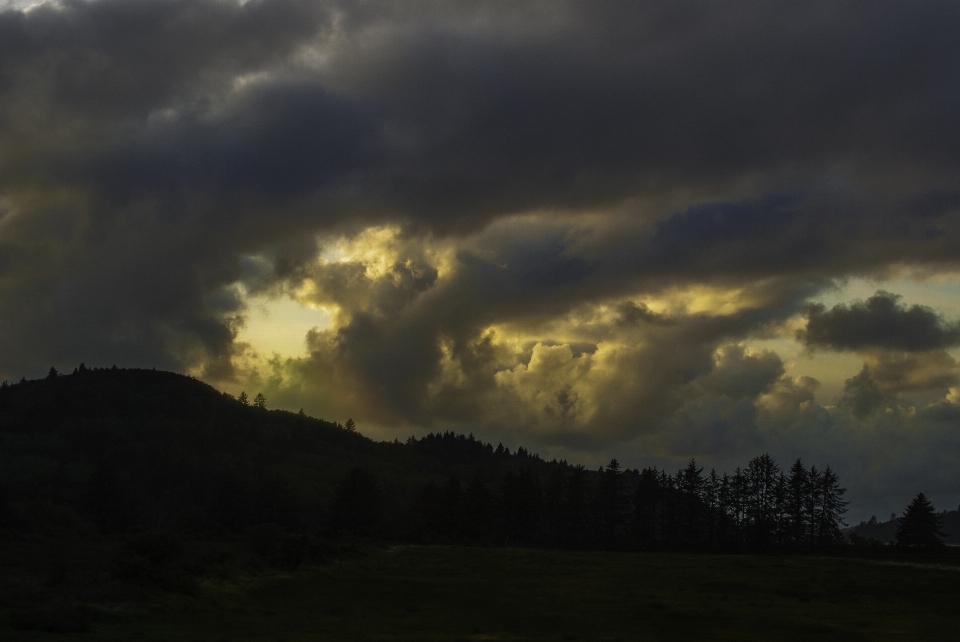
x: 243, y: 399
x: 646, y: 499
x: 260, y: 401
x: 612, y: 502
x: 690, y: 484
x: 920, y: 525
x: 553, y: 501
x: 831, y: 508
x: 521, y: 498
x: 352, y: 427
x: 812, y: 502
x: 575, y: 502
x: 451, y: 503
x: 430, y: 508
x: 761, y: 475
x: 798, y: 488
x: 477, y: 506
x: 356, y: 505
x: 53, y: 374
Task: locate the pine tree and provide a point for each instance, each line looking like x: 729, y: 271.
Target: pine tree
x: 738, y: 504
x: 451, y: 502
x: 260, y: 401
x: 690, y: 484
x: 831, y: 509
x: 576, y: 502
x: 243, y: 399
x: 761, y: 479
x: 646, y: 499
x: 350, y: 425
x: 611, y: 500
x: 711, y: 497
x: 477, y: 506
x: 553, y: 500
x: 920, y: 525
x: 724, y: 503
x: 798, y: 488
x: 520, y: 505
x: 812, y: 504
x: 781, y: 519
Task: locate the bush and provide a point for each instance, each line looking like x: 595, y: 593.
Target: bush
x: 150, y: 559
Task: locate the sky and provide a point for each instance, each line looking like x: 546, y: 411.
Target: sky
x: 599, y: 228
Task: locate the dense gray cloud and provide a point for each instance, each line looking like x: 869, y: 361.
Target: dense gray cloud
x: 881, y: 322
x: 585, y: 210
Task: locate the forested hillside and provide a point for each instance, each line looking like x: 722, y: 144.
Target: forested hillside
x: 111, y: 451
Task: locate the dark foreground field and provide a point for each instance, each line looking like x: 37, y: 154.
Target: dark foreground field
x: 453, y: 593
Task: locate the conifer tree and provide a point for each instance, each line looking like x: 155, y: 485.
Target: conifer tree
x: 920, y: 525
x: 812, y: 504
x: 690, y: 486
x: 646, y: 499
x: 738, y: 505
x: 477, y: 506
x: 520, y: 504
x: 711, y: 498
x: 798, y: 488
x: 576, y: 502
x: 451, y: 502
x: 260, y: 401
x: 243, y: 399
x: 553, y: 504
x: 611, y: 500
x: 831, y: 509
x: 761, y: 478
x: 724, y: 503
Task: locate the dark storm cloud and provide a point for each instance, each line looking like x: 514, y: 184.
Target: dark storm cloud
x: 114, y: 59
x: 563, y: 103
x: 881, y: 322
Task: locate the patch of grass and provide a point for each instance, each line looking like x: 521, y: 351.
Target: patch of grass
x: 454, y: 593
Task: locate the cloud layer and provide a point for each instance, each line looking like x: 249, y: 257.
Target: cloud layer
x: 881, y: 322
x: 568, y: 224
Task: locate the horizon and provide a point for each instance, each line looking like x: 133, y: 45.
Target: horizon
x: 509, y: 449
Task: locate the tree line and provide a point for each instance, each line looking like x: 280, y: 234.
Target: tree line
x: 554, y: 503
x: 120, y: 450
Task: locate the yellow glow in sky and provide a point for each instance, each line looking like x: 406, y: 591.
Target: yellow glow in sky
x: 280, y: 326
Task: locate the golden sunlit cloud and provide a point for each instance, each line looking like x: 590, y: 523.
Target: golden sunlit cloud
x: 280, y: 326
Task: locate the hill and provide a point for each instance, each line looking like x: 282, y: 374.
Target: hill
x: 110, y: 450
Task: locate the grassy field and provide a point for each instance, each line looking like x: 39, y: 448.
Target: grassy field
x: 454, y: 593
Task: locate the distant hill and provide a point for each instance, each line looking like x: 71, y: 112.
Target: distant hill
x: 887, y: 531
x: 109, y: 449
